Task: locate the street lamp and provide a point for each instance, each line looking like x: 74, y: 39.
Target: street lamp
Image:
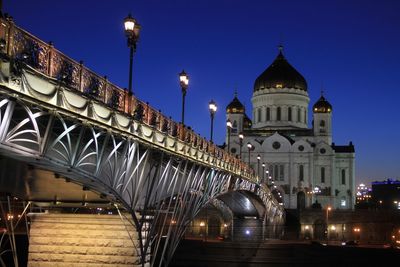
x: 249, y: 146
x: 212, y: 106
x: 241, y: 137
x: 132, y: 29
x: 258, y: 165
x: 263, y: 173
x: 328, y: 209
x: 184, y: 82
x: 229, y: 127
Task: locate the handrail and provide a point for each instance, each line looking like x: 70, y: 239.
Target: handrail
x: 20, y: 45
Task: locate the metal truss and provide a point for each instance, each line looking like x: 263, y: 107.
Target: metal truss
x: 58, y: 115
x: 161, y: 191
x: 8, y: 243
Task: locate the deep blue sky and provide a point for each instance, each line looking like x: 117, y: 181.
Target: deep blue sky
x: 351, y: 48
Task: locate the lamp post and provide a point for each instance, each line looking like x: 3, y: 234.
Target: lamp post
x: 249, y: 146
x: 132, y: 29
x: 263, y: 172
x: 328, y: 209
x: 258, y: 165
x: 229, y: 127
x: 184, y: 82
x: 241, y: 137
x: 212, y: 106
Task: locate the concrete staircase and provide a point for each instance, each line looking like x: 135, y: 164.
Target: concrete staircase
x: 59, y: 240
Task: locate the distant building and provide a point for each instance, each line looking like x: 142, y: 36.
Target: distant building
x: 363, y: 196
x: 303, y: 162
x: 386, y: 194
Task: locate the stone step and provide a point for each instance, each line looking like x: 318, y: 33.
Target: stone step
x: 72, y: 241
x: 82, y: 240
x: 80, y: 259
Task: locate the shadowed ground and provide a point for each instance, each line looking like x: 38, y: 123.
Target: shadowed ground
x: 277, y: 253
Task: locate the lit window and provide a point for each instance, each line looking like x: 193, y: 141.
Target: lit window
x: 279, y: 85
x: 343, y: 202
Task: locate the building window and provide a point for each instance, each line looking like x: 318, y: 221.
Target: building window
x: 305, y: 116
x: 278, y: 113
x: 343, y: 176
x: 298, y: 115
x: 322, y: 175
x: 301, y: 172
x: 259, y: 115
x: 289, y: 115
x: 271, y: 171
x: 277, y: 172
x: 322, y: 123
x: 234, y: 127
x: 343, y: 202
x: 276, y: 145
x: 268, y: 114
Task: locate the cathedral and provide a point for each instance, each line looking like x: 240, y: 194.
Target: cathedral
x: 301, y: 164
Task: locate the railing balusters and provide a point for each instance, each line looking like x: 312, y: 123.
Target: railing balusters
x: 126, y: 103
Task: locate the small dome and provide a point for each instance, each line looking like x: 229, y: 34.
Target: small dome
x: 322, y: 106
x: 280, y: 74
x: 235, y: 106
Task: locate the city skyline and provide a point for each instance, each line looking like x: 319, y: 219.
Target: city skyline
x: 348, y: 50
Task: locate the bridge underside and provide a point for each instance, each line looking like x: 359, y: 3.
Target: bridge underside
x: 54, y: 159
x: 27, y: 182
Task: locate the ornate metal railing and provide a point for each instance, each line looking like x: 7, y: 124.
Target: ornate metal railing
x: 24, y: 48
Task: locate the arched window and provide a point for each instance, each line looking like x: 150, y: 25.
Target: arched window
x: 234, y: 127
x: 276, y: 172
x: 298, y: 115
x: 259, y: 115
x: 289, y: 115
x: 343, y: 176
x: 281, y: 172
x: 322, y: 174
x: 301, y: 172
x: 278, y: 113
x: 268, y: 114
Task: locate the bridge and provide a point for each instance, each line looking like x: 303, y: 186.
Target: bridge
x: 97, y: 176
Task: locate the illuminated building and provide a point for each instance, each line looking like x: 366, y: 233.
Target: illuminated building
x: 386, y: 194
x: 303, y: 162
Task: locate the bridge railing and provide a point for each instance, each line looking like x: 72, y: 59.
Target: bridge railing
x: 21, y: 46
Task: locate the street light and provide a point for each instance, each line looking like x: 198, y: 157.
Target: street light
x: 258, y: 165
x: 212, y: 106
x: 132, y: 29
x: 184, y: 82
x: 263, y: 172
x: 249, y: 146
x: 328, y: 209
x: 229, y: 127
x: 241, y: 137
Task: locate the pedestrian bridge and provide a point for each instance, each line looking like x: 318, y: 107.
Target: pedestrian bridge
x: 72, y: 141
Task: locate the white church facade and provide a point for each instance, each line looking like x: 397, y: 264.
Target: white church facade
x: 304, y: 166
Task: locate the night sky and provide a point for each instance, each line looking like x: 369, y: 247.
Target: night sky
x: 350, y: 49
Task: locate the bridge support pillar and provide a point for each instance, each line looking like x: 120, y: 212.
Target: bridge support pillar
x: 82, y: 240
